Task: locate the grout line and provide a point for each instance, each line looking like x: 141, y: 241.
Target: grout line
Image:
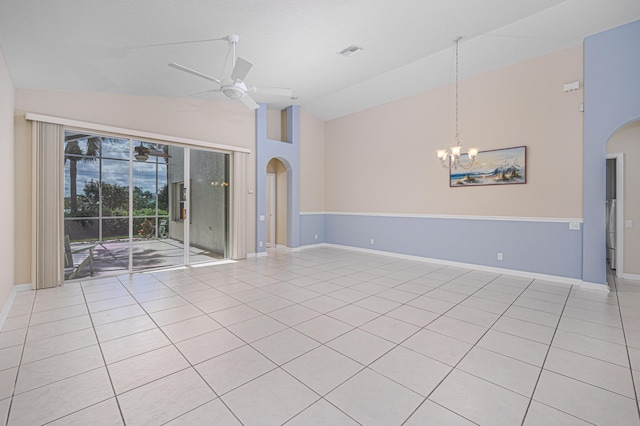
x: 633, y: 381
x: 545, y: 358
x: 103, y: 360
x: 472, y: 345
x: 261, y: 267
x: 24, y: 346
x: 191, y: 365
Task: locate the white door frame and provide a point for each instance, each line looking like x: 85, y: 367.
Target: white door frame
x: 619, y: 157
x: 271, y: 209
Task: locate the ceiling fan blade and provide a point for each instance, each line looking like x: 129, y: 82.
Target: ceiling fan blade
x: 204, y: 92
x: 241, y: 69
x: 175, y: 43
x: 193, y: 72
x: 249, y: 102
x: 158, y: 154
x: 278, y: 91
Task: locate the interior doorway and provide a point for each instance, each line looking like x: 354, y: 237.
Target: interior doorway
x: 615, y: 211
x: 276, y: 193
x: 271, y: 210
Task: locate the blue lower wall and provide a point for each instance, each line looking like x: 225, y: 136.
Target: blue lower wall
x: 310, y: 226
x: 530, y: 246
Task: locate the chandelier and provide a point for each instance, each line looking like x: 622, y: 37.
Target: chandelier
x: 450, y: 158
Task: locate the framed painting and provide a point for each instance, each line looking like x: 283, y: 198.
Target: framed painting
x: 496, y: 167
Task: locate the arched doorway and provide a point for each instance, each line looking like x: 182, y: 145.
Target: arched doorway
x: 623, y: 169
x: 276, y: 202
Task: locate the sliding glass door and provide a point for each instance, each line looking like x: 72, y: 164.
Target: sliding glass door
x: 140, y: 205
x: 209, y: 206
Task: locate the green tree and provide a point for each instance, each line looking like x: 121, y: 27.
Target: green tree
x: 143, y: 199
x: 115, y: 198
x: 74, y: 153
x: 163, y: 198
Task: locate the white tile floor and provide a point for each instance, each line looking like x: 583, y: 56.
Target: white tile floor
x: 321, y: 337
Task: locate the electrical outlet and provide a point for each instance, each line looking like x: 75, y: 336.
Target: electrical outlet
x: 499, y: 256
x: 316, y: 236
x: 574, y: 225
x: 260, y: 243
x: 628, y: 224
x: 371, y: 241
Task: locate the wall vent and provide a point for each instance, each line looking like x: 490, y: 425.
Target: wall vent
x: 351, y: 50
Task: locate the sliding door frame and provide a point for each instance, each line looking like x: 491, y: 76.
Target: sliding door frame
x: 235, y: 232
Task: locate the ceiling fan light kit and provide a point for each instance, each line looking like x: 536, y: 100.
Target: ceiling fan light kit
x: 235, y: 87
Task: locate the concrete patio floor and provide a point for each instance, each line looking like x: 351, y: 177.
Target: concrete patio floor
x: 112, y: 257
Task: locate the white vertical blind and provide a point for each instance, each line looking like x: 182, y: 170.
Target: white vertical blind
x: 239, y: 207
x: 48, y: 190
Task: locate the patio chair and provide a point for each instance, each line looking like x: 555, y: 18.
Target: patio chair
x: 162, y: 229
x: 76, y: 257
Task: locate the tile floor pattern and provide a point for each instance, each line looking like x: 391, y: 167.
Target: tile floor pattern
x: 321, y: 337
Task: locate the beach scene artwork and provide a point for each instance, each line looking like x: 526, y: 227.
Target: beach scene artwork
x: 495, y: 167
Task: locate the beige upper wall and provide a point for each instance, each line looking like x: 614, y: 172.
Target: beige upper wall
x: 312, y: 163
x: 383, y: 160
x: 276, y: 125
x: 7, y: 235
x: 627, y: 141
x: 226, y: 123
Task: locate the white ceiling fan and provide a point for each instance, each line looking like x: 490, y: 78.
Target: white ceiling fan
x: 234, y: 87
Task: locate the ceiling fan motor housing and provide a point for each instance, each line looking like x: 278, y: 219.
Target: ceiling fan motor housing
x: 234, y: 90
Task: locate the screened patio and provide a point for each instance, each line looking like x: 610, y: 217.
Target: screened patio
x: 136, y: 203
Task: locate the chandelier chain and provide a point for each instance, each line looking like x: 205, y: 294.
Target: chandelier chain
x: 451, y: 158
x: 457, y: 76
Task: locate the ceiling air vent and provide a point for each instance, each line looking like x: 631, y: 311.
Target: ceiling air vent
x: 351, y: 50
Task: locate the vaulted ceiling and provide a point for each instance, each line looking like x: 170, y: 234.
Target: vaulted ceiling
x: 124, y: 46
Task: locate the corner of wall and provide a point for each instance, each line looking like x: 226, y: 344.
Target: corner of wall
x: 7, y: 191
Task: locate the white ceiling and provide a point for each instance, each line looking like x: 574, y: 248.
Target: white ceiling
x: 120, y: 46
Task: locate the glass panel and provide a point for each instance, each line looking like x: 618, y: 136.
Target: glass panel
x: 208, y: 202
x: 115, y: 148
x: 114, y: 193
x: 96, y: 203
x: 154, y: 246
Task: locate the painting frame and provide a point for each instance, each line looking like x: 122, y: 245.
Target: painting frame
x: 504, y: 166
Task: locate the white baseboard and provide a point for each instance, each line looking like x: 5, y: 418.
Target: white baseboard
x: 312, y: 246
x: 287, y: 248
x: 631, y: 277
x: 7, y: 306
x: 256, y: 255
x: 584, y: 285
x: 533, y: 275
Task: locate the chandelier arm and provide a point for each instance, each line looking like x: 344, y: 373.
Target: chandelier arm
x: 466, y: 165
